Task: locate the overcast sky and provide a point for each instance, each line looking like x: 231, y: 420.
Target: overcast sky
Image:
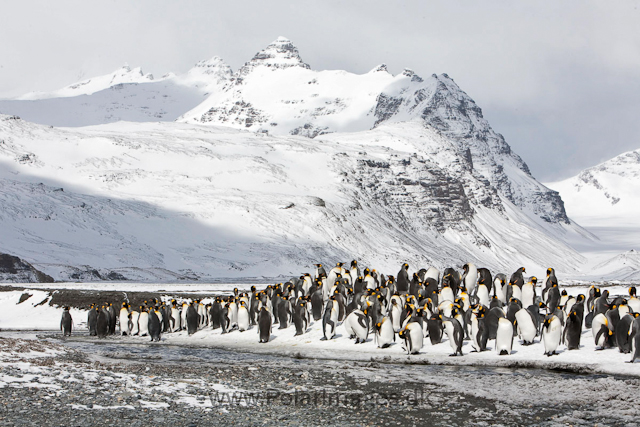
x: 559, y: 79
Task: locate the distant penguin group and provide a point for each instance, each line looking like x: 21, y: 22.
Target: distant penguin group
x: 408, y: 308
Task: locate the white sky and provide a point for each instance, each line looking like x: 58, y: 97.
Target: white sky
x: 560, y: 80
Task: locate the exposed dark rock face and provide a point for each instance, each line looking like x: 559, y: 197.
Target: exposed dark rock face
x: 14, y: 269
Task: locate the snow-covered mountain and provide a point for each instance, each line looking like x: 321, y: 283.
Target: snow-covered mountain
x: 124, y: 95
x: 608, y: 193
x: 159, y: 201
x: 279, y: 167
x: 606, y: 199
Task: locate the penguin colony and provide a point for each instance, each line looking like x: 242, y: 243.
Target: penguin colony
x: 472, y: 305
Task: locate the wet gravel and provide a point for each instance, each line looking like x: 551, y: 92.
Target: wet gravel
x: 47, y: 382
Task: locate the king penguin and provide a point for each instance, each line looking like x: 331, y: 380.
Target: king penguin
x: 572, y: 331
x: 92, y: 320
x: 357, y: 325
x: 192, y: 319
x: 413, y: 339
x: 66, y: 323
x: 455, y: 333
x: 504, y: 337
x: 124, y: 320
x: 155, y: 326
x: 243, y: 317
x: 384, y: 333
x: 264, y: 325
x: 551, y: 334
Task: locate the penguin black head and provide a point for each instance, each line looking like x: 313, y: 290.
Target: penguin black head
x: 564, y: 292
x: 632, y: 291
x: 580, y: 298
x: 405, y: 266
x: 635, y: 314
x: 534, y: 280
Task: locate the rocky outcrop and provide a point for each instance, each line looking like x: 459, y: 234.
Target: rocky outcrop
x: 16, y: 270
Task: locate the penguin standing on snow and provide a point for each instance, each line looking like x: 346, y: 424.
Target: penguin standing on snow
x: 264, y: 325
x: 572, y: 331
x: 551, y: 334
x: 413, y: 339
x: 66, y: 323
x: 155, y: 325
x: 384, y: 333
x: 600, y: 331
x: 92, y: 320
x: 402, y: 282
x: 469, y: 277
x: 623, y: 330
x: 124, y: 319
x: 526, y: 326
x: 504, y: 337
x: 243, y: 317
x: 300, y: 317
x: 330, y: 319
x: 479, y: 332
x: 455, y: 334
x: 434, y: 326
x: 192, y: 319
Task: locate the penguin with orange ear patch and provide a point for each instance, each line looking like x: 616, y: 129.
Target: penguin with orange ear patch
x: 384, y: 333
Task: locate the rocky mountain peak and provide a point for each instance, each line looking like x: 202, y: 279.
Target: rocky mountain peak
x: 281, y: 53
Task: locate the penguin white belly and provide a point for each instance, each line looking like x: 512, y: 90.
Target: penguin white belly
x: 143, y: 324
x: 528, y: 295
x: 551, y: 336
x: 175, y: 313
x: 433, y: 273
x: 135, y: 330
x: 516, y: 292
x: 446, y: 294
x: 526, y: 327
x: 445, y: 308
x: 634, y: 304
x: 233, y: 315
x: 327, y: 284
x: 306, y: 285
x: 474, y: 332
x: 396, y: 312
x: 183, y: 319
x: 124, y: 321
x: 354, y: 327
x: 449, y: 329
x: 623, y: 310
x: 369, y: 282
x: 499, y: 291
x: 465, y: 301
x: 504, y: 337
x: 563, y: 300
x: 599, y: 323
x: 243, y: 319
x: 483, y: 295
x: 414, y: 338
x: 385, y: 336
x: 568, y: 306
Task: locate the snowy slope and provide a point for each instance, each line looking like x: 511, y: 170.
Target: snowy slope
x: 95, y: 84
x: 124, y: 95
x: 159, y: 201
x: 606, y: 193
x: 277, y: 93
x: 606, y: 200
